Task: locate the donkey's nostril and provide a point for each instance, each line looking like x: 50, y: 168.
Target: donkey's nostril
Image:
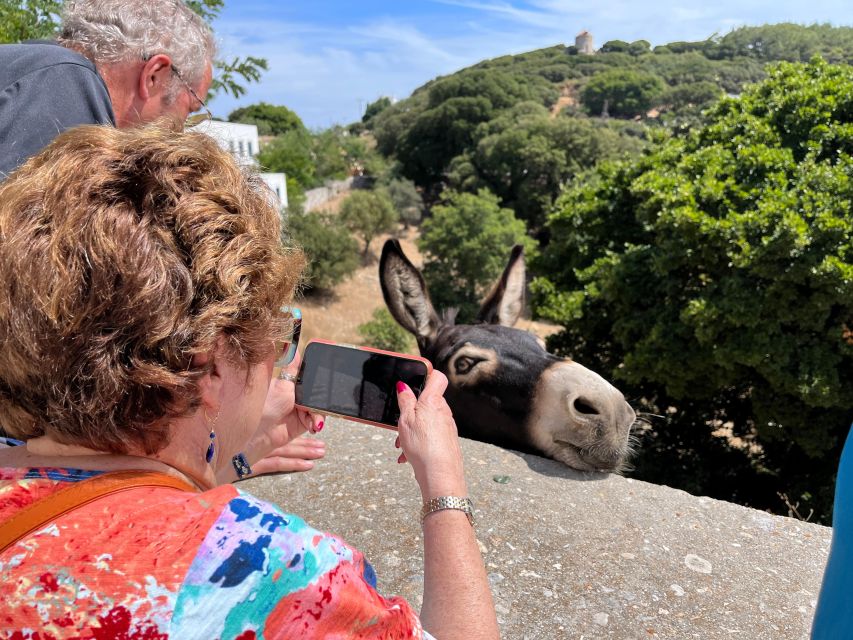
x: 582, y: 406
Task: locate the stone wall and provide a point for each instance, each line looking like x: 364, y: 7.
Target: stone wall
x: 317, y: 198
x: 569, y: 554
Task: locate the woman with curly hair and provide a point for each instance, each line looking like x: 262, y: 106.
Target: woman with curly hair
x: 141, y: 283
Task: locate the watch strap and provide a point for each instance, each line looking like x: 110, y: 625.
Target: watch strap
x: 449, y: 502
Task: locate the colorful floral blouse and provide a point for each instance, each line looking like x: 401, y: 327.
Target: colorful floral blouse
x: 155, y: 563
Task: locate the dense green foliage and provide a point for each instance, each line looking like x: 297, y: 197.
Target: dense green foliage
x: 271, y: 120
x: 375, y: 108
x: 34, y: 19
x: 312, y: 158
x: 383, y: 332
x: 331, y: 252
x: 446, y: 124
x: 367, y: 214
x: 466, y: 243
x: 438, y: 133
x: 622, y: 93
x: 525, y: 157
x: 713, y: 279
x: 292, y: 153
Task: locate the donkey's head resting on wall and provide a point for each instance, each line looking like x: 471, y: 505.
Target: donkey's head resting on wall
x: 505, y: 388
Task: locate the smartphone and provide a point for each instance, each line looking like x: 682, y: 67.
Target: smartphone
x: 357, y: 383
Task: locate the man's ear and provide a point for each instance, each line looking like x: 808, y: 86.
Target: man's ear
x: 155, y: 77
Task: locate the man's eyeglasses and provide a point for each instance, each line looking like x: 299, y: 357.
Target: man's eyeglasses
x: 200, y: 117
x: 285, y: 350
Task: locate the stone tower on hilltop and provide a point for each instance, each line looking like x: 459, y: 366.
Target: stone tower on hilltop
x: 583, y: 43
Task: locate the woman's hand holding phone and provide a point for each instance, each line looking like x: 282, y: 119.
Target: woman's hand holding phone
x: 428, y: 437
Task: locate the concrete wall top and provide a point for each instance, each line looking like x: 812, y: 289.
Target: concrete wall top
x: 570, y: 554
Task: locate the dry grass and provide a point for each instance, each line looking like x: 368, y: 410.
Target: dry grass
x: 336, y: 316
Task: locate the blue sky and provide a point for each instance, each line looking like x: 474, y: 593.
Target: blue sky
x: 328, y: 58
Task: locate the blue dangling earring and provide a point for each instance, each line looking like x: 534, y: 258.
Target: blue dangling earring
x: 211, y: 449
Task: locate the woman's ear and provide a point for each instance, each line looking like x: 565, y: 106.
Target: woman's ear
x: 210, y: 385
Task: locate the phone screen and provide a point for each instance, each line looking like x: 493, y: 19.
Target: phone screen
x: 355, y: 383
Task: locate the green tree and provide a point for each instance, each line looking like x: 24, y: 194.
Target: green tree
x: 466, y: 242
x: 714, y: 279
x: 531, y: 156
x: 32, y: 20
x: 383, y: 332
x: 406, y: 199
x: 331, y: 251
x: 446, y: 123
x: 38, y: 19
x: 375, y: 108
x: 615, y: 46
x: 271, y: 120
x: 695, y: 94
x: 627, y: 93
x: 367, y: 214
x: 292, y: 153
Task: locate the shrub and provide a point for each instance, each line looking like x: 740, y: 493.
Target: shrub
x: 626, y: 93
x: 367, y: 214
x: 383, y: 332
x: 332, y: 253
x: 407, y: 201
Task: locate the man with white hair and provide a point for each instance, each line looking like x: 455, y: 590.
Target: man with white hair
x: 119, y: 63
x: 114, y: 62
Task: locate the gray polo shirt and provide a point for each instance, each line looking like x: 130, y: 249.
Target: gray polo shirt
x: 44, y: 90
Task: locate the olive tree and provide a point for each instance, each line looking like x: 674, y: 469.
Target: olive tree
x: 368, y: 214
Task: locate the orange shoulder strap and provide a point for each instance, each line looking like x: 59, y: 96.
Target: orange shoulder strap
x: 77, y: 494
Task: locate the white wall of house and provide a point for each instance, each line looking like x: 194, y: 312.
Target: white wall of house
x: 277, y: 182
x: 241, y: 140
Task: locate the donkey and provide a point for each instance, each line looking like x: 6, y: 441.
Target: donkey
x: 504, y: 387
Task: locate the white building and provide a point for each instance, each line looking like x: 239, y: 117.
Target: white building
x: 277, y: 182
x: 242, y: 141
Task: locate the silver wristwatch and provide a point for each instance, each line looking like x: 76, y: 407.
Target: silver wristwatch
x: 449, y: 502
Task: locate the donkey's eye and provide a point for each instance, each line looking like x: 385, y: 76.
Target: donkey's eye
x: 464, y: 364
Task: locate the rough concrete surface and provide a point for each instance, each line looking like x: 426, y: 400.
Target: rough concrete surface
x: 570, y: 554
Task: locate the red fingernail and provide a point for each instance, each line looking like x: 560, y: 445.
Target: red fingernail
x: 401, y: 387
x: 320, y: 426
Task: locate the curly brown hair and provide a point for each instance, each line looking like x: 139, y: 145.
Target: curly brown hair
x: 124, y: 254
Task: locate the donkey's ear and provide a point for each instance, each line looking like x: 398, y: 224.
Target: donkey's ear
x: 406, y: 295
x: 505, y: 303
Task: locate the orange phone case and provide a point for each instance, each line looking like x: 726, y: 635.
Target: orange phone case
x: 403, y: 356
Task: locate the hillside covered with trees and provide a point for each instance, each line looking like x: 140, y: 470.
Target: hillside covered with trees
x: 524, y: 126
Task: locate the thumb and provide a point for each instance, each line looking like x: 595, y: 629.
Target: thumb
x: 405, y: 398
